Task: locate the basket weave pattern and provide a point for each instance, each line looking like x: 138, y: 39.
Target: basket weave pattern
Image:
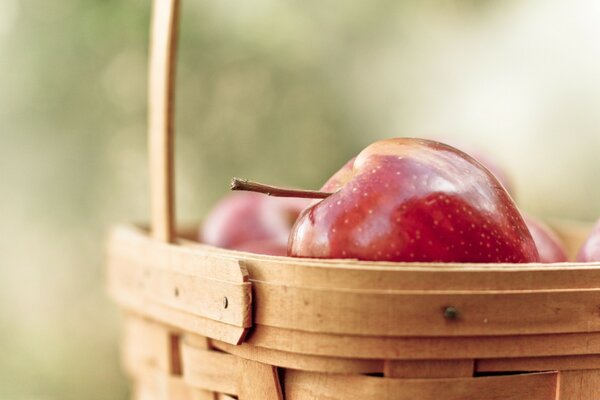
x: 208, y: 323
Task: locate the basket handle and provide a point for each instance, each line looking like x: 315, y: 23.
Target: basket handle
x: 161, y: 88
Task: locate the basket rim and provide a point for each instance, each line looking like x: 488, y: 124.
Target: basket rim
x: 348, y: 263
x: 335, y: 298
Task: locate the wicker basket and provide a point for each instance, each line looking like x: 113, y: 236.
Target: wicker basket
x: 208, y: 323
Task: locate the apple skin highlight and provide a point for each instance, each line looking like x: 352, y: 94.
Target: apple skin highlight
x: 414, y: 200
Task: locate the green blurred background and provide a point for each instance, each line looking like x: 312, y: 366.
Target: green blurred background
x: 283, y: 92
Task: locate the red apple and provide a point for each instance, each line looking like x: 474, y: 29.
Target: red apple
x: 549, y: 245
x: 590, y: 251
x: 251, y: 222
x: 485, y: 158
x: 414, y: 200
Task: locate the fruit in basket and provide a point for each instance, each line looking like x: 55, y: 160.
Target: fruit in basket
x: 251, y: 222
x: 500, y: 173
x: 414, y: 200
x: 487, y: 160
x: 549, y: 245
x: 273, y: 247
x: 590, y: 251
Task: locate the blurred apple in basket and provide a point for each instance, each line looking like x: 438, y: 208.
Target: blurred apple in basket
x: 549, y: 245
x: 590, y: 251
x: 251, y: 222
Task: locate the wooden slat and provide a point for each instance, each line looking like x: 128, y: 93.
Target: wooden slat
x: 428, y: 368
x: 161, y: 116
x: 145, y: 343
x: 399, y: 276
x: 301, y: 361
x: 175, y: 286
x: 560, y: 363
x: 176, y: 389
x: 133, y: 243
x: 337, y: 311
x: 301, y: 385
x: 335, y: 275
x: 147, y: 352
x: 423, y: 348
x: 149, y: 391
x: 258, y: 381
x: 144, y: 391
x: 579, y: 385
x: 209, y: 370
x: 185, y: 292
x: 363, y: 275
x: 154, y: 384
x: 421, y: 313
x: 200, y: 342
x: 180, y: 320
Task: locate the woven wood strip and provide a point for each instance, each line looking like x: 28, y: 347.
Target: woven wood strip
x: 301, y: 385
x: 174, y: 285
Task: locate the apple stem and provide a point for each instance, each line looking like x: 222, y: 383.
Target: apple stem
x: 250, y: 186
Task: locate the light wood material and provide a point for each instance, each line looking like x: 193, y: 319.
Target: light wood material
x: 144, y: 391
x: 179, y: 320
x: 301, y: 361
x: 258, y: 381
x: 420, y: 313
x: 222, y: 372
x: 145, y: 343
x: 161, y: 116
x: 307, y: 297
x: 301, y: 385
x: 579, y: 385
x: 154, y: 384
x: 194, y: 294
x: 423, y: 348
x: 172, y: 284
x: 428, y: 368
x: 134, y: 244
x: 203, y: 343
x: 378, y: 276
x: 333, y: 309
x: 209, y: 370
x: 560, y: 363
